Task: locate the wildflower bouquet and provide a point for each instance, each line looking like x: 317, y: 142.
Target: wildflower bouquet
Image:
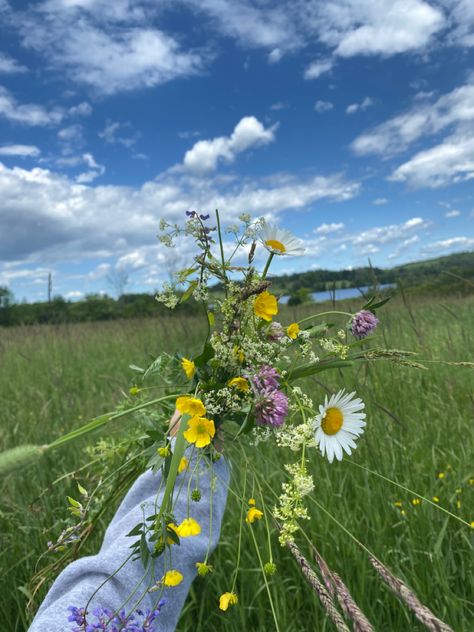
x: 243, y: 388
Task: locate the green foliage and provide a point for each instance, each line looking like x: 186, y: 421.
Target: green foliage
x: 52, y: 379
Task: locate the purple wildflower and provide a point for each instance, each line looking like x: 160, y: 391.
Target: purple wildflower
x: 266, y: 378
x: 191, y: 213
x: 139, y: 621
x: 363, y: 323
x: 204, y: 217
x: 271, y: 408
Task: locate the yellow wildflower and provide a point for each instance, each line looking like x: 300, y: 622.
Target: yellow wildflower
x: 459, y: 490
x: 403, y: 512
x: 164, y: 451
x: 200, y: 431
x: 435, y: 499
x: 191, y: 406
x: 416, y: 501
x: 226, y: 600
x: 203, y: 569
x: 239, y: 354
x: 172, y: 578
x: 398, y: 503
x: 265, y: 306
x: 252, y: 501
x: 240, y: 383
x: 293, y: 330
x: 183, y: 465
x: 188, y: 527
x: 134, y: 391
x: 253, y: 514
x: 188, y: 367
x: 441, y: 475
x: 472, y: 524
x: 471, y: 481
x: 458, y: 504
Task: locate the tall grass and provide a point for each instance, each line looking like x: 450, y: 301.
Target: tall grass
x: 419, y: 425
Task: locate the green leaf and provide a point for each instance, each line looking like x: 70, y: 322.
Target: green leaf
x: 82, y: 490
x: 205, y: 356
x: 74, y: 503
x: 305, y: 370
x: 187, y: 294
x: 211, y: 318
x: 136, y: 368
x: 144, y: 552
x: 137, y: 530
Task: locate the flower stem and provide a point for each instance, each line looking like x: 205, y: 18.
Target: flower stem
x: 324, y: 314
x: 267, y: 265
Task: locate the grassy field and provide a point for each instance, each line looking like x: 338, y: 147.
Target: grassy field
x: 419, y: 426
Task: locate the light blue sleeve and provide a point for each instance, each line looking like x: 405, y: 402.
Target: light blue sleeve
x: 78, y: 581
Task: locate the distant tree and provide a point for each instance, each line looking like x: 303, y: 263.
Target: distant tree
x: 303, y: 295
x: 118, y: 280
x: 6, y: 297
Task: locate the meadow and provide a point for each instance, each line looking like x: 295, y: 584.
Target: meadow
x: 419, y: 434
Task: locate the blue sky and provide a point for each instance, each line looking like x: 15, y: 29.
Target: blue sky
x: 351, y: 122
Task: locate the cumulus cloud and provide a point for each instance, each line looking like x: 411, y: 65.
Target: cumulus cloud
x: 380, y: 201
x: 205, y: 154
x: 10, y: 66
x: 449, y: 245
x: 450, y: 162
x: 48, y: 215
x: 30, y: 151
x: 399, y: 132
x: 116, y: 133
x: 108, y: 46
x: 453, y: 213
x: 392, y: 232
x: 318, y: 68
x: 362, y: 106
x: 27, y: 113
x: 325, y: 229
x: 323, y: 106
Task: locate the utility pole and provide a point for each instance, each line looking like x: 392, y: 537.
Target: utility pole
x: 50, y: 287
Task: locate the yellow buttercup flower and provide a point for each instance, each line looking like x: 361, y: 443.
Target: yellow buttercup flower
x: 265, y: 306
x: 398, y: 503
x: 416, y: 501
x: 253, y: 514
x: 252, y: 501
x: 188, y: 367
x: 164, y: 451
x: 183, y: 465
x: 200, y: 431
x: 435, y: 499
x: 188, y: 527
x: 441, y: 475
x: 190, y: 406
x: 226, y: 600
x: 240, y: 383
x: 172, y: 578
x: 293, y: 330
x: 472, y: 524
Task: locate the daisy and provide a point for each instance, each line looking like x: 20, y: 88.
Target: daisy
x: 279, y: 241
x: 338, y: 423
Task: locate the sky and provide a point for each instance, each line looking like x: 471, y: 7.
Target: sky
x: 349, y: 122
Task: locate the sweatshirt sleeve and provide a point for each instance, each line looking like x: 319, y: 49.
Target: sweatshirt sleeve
x: 78, y: 581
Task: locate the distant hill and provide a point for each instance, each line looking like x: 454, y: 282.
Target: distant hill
x: 453, y: 274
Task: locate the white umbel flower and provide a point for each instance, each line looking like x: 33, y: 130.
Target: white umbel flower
x: 339, y: 423
x: 280, y: 241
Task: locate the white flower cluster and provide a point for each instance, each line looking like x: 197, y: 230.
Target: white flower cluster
x: 223, y: 400
x: 291, y: 502
x: 304, y: 400
x: 260, y: 435
x: 201, y: 293
x: 294, y: 437
x: 334, y: 346
x: 167, y: 296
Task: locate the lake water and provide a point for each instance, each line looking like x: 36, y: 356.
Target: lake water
x: 349, y: 292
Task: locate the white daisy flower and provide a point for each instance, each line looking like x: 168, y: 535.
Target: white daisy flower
x: 280, y: 241
x: 339, y: 422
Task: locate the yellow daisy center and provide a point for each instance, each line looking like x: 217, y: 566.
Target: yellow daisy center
x: 332, y: 421
x: 275, y: 244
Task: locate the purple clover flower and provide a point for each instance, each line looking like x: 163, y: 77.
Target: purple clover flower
x: 364, y: 323
x: 271, y: 408
x: 266, y: 378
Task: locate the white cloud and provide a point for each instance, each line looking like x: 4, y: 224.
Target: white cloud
x: 28, y: 113
x: 111, y: 134
x: 453, y: 213
x: 275, y: 55
x: 205, y: 154
x: 450, y: 162
x: 30, y: 151
x: 362, y: 106
x: 448, y: 245
x: 323, y: 106
x: 325, y: 229
x: 376, y: 27
x: 405, y: 245
x: 380, y: 201
x: 387, y: 234
x: 72, y: 134
x: 95, y: 170
x: 275, y: 107
x: 318, y: 68
x: 109, y: 48
x: 10, y: 66
x: 47, y: 216
x: 82, y: 109
x: 398, y: 133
